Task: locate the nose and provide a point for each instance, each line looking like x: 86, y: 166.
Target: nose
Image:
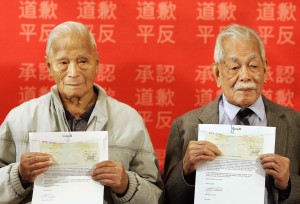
x: 73, y: 69
x: 244, y: 74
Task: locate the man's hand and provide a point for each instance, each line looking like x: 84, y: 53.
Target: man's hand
x: 278, y: 167
x: 33, y: 164
x: 111, y: 174
x: 197, y: 152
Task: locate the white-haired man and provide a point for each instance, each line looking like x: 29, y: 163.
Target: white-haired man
x: 240, y: 69
x: 75, y: 103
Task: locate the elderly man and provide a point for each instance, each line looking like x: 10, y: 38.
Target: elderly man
x: 75, y: 103
x: 240, y: 69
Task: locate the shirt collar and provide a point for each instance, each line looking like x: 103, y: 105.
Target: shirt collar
x: 85, y: 116
x: 257, y: 107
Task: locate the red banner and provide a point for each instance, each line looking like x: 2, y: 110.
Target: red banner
x: 154, y: 55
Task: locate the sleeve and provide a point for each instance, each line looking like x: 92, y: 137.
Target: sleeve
x: 177, y: 189
x: 140, y: 190
x: 145, y: 184
x: 293, y: 153
x: 285, y: 194
x: 11, y: 189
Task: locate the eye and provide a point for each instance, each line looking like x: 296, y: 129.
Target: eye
x: 83, y: 61
x: 254, y: 67
x: 63, y: 62
x: 234, y: 69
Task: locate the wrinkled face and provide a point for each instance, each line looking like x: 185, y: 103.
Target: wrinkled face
x: 73, y: 65
x: 242, y: 74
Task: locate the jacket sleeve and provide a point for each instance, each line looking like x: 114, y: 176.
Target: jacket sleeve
x: 145, y: 184
x: 293, y: 153
x: 177, y: 189
x: 11, y: 189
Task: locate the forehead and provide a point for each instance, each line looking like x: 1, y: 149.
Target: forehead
x: 239, y: 49
x: 72, y: 43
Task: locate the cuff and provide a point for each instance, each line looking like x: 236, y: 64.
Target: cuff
x: 188, y: 179
x: 132, y: 189
x: 285, y: 194
x: 15, y: 181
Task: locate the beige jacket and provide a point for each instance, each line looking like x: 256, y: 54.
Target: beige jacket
x: 129, y: 143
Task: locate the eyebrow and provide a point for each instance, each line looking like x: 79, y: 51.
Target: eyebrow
x: 235, y: 59
x: 252, y: 57
x: 60, y: 58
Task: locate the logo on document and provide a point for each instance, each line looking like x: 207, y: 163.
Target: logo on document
x: 234, y: 128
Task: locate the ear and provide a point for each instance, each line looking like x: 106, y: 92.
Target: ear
x: 265, y: 70
x: 48, y: 64
x: 216, y: 71
x: 97, y: 62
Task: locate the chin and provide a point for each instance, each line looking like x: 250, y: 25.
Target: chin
x: 71, y: 94
x: 246, y: 97
x: 242, y: 100
x: 246, y: 102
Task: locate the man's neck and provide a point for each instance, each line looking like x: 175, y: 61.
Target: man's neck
x: 77, y: 106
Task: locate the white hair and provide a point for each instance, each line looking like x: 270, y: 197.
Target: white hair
x: 238, y: 32
x: 65, y: 29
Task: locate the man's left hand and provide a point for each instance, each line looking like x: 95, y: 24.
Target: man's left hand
x: 278, y: 167
x: 111, y: 174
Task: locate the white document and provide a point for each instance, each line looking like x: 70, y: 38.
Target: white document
x: 237, y: 175
x: 69, y: 179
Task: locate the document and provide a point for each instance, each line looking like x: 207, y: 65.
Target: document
x: 69, y: 179
x: 237, y: 175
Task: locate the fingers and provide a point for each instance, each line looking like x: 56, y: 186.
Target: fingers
x: 205, y: 148
x: 278, y: 167
x: 197, y: 152
x: 111, y: 174
x: 33, y: 164
x: 107, y: 164
x: 274, y: 162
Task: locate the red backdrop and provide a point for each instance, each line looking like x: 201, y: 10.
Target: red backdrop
x: 155, y: 55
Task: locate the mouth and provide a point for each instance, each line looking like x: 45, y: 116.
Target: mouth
x: 73, y: 85
x: 245, y: 89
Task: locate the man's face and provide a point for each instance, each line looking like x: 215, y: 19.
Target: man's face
x: 242, y: 74
x: 73, y: 65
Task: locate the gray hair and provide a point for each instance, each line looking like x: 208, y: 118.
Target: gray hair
x: 239, y: 32
x: 67, y: 28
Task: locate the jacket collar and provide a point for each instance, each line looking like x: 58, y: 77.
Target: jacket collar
x: 99, y: 113
x: 210, y: 112
x: 276, y: 118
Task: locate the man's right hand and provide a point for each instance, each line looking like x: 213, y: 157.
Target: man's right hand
x: 197, y: 152
x: 33, y: 164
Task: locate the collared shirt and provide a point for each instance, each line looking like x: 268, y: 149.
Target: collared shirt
x: 228, y: 111
x: 80, y: 123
